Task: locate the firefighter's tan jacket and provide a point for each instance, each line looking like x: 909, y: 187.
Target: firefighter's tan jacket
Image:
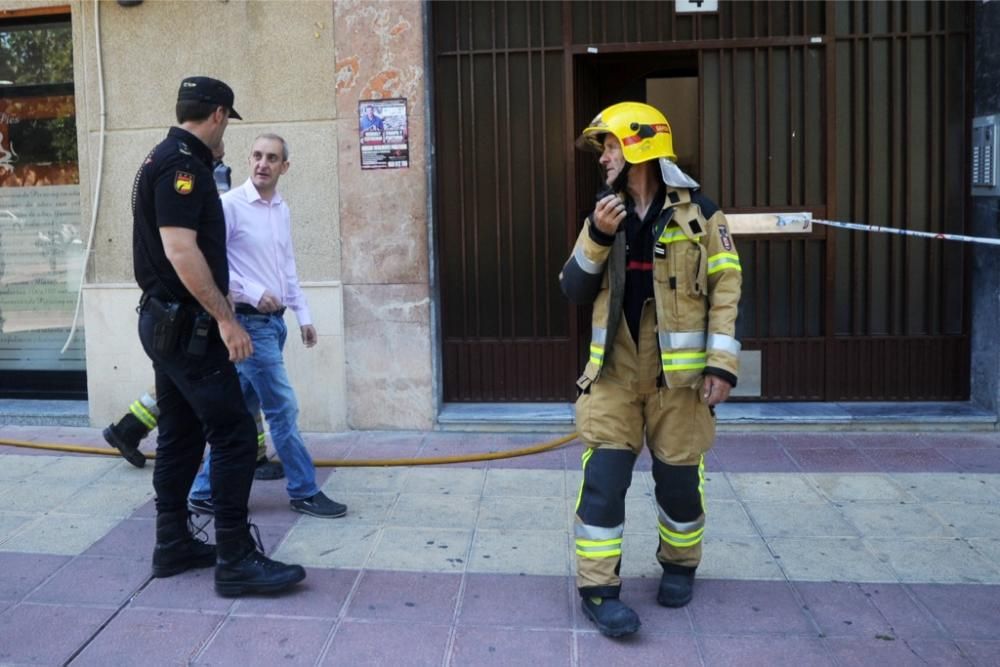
x: 696, y: 287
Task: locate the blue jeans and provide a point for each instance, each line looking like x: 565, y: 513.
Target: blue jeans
x: 263, y: 378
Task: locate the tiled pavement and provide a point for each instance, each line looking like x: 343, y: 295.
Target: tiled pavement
x: 821, y: 549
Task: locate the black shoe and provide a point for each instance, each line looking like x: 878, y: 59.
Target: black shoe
x: 125, y: 436
x: 177, y: 550
x: 321, y: 506
x: 611, y: 616
x: 243, y: 568
x: 267, y: 470
x: 676, y: 585
x: 201, y: 506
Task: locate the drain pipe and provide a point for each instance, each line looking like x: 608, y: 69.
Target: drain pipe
x: 97, y: 180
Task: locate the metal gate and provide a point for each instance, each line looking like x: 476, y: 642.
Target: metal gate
x: 848, y: 110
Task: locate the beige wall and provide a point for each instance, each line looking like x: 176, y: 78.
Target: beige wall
x: 298, y: 68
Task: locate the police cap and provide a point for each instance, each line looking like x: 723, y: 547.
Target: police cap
x: 207, y: 89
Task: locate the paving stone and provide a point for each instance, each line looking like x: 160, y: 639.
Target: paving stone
x: 324, y: 543
x: 53, y: 534
x: 193, y: 590
x: 934, y: 560
x: 445, y: 481
x: 982, y: 653
x: 737, y: 558
x: 422, y: 549
x: 883, y: 651
x: 748, y: 607
x: 150, y: 637
x: 103, y: 499
x: 831, y: 459
x: 895, y: 520
x: 912, y: 460
x: 974, y: 459
x: 513, y: 600
x: 965, y: 612
x: 496, y: 512
x: 644, y: 649
x: 975, y: 521
x: 770, y: 650
x: 21, y: 573
x: 899, y: 606
x: 365, y: 508
x: 520, y: 552
x: 405, y: 596
x: 378, y: 643
x: 830, y: 559
x: 487, y: 646
x: 434, y: 510
x: 727, y: 518
x: 845, y: 609
x: 12, y: 522
x: 96, y: 580
x: 266, y: 641
x: 322, y: 595
x: 799, y: 520
x: 16, y: 467
x: 955, y: 487
x: 778, y: 487
x: 524, y: 483
x: 842, y: 487
x: 47, y: 634
x: 754, y: 458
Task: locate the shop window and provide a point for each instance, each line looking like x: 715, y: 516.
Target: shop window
x: 42, y: 247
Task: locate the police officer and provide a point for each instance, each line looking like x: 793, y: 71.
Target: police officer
x: 126, y: 434
x: 657, y: 262
x: 189, y: 331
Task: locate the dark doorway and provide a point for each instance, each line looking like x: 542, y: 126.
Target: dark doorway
x: 850, y: 111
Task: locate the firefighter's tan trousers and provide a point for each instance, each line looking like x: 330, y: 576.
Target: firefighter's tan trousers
x: 614, y: 417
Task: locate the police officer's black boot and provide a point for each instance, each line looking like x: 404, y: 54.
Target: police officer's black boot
x: 611, y: 616
x: 176, y: 549
x: 125, y: 437
x: 676, y: 585
x: 242, y: 567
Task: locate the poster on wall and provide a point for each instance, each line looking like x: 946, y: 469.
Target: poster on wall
x: 383, y: 134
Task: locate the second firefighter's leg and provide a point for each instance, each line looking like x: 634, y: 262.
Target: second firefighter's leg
x: 128, y: 432
x: 679, y: 436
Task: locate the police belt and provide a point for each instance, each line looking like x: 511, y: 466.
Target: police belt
x: 160, y: 304
x: 247, y: 309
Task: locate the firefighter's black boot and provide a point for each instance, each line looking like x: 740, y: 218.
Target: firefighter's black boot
x: 125, y: 437
x: 176, y: 549
x: 611, y: 616
x: 242, y: 568
x: 676, y: 585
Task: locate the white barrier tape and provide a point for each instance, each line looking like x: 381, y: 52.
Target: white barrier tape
x: 789, y: 221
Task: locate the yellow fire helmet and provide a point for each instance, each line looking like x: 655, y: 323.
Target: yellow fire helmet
x: 642, y: 130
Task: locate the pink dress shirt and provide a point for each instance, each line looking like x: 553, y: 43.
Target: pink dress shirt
x: 259, y: 247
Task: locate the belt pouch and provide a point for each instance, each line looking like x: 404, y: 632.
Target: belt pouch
x: 170, y: 321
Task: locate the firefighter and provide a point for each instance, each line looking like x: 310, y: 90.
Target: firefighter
x: 657, y: 262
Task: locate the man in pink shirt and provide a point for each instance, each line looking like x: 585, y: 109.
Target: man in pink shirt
x: 263, y: 282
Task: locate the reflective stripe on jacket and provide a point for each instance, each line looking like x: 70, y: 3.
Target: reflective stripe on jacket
x: 696, y: 287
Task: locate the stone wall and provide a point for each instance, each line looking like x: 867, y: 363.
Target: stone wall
x: 298, y: 69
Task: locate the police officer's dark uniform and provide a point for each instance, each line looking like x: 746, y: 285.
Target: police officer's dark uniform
x: 197, y: 388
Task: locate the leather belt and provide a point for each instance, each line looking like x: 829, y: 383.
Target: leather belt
x: 247, y: 309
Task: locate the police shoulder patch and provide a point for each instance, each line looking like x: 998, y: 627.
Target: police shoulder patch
x: 183, y: 183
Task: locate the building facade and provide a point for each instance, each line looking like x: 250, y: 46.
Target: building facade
x: 429, y: 241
